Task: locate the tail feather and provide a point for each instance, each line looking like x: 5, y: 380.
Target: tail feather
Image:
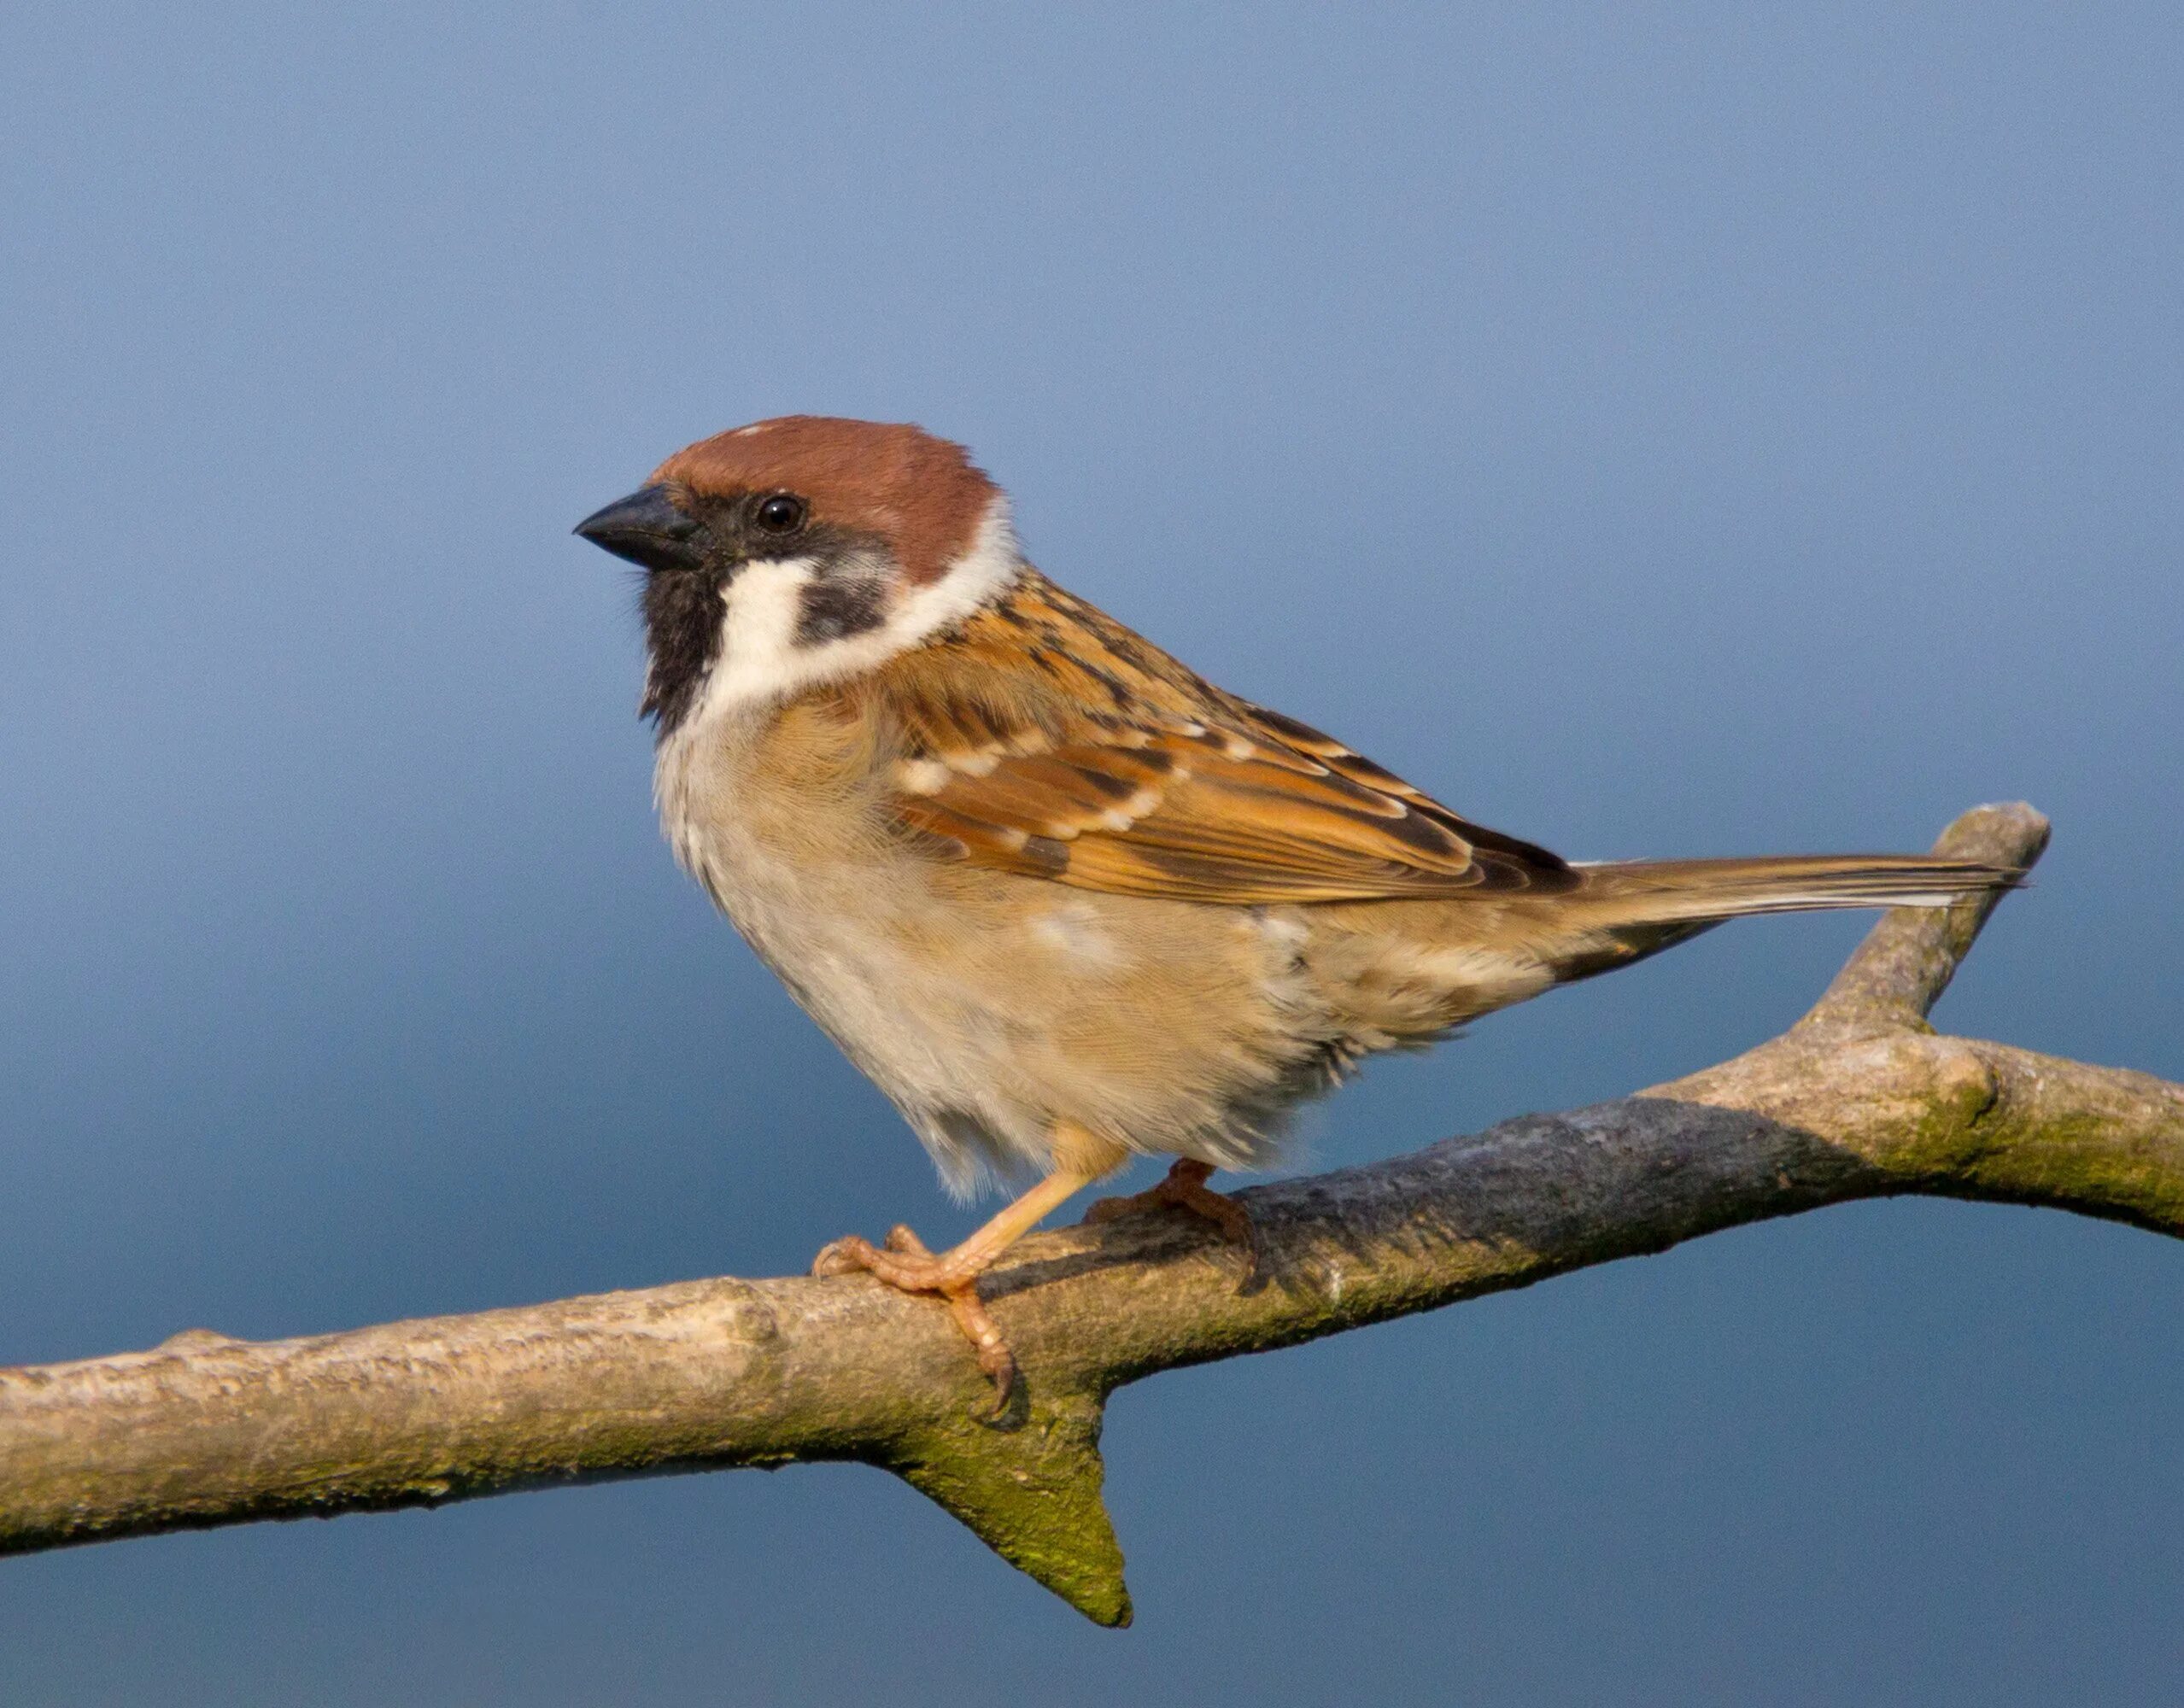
x: 1626, y: 911
x: 1416, y: 969
x: 1704, y: 891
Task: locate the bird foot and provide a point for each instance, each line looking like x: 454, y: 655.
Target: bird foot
x: 1184, y: 1188
x: 904, y: 1264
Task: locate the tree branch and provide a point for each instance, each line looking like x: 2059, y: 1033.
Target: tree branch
x: 1859, y: 1099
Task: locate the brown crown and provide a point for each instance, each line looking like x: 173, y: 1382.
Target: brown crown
x: 921, y: 493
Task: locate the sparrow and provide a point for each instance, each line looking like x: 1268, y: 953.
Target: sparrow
x: 1064, y: 900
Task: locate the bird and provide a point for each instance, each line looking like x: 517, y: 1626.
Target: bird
x: 1064, y: 900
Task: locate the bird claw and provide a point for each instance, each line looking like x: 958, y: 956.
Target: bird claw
x: 1184, y: 1188
x: 905, y: 1264
x: 843, y: 1256
x: 984, y: 1334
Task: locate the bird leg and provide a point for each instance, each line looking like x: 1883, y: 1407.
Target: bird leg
x: 1184, y: 1188
x: 904, y: 1264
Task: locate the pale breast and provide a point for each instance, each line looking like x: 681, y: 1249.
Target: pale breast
x: 987, y: 1006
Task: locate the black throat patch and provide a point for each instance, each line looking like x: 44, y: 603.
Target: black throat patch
x: 682, y: 634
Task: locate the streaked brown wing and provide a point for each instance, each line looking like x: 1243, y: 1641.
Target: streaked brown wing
x: 1109, y: 766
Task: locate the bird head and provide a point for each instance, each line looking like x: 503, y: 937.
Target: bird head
x: 802, y: 550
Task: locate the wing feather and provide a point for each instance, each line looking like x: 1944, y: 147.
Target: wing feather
x: 1045, y: 739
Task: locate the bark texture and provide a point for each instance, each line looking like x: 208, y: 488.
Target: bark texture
x: 1859, y: 1099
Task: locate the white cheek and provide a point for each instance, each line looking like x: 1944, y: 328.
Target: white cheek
x: 760, y: 609
x: 761, y: 660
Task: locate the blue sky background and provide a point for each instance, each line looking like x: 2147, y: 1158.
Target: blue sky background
x: 1658, y: 430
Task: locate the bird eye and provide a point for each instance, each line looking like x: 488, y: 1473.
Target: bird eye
x: 783, y: 513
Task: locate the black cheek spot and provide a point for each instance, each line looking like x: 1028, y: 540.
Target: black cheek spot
x: 836, y: 609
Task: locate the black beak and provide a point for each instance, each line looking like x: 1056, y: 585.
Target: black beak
x: 647, y: 529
